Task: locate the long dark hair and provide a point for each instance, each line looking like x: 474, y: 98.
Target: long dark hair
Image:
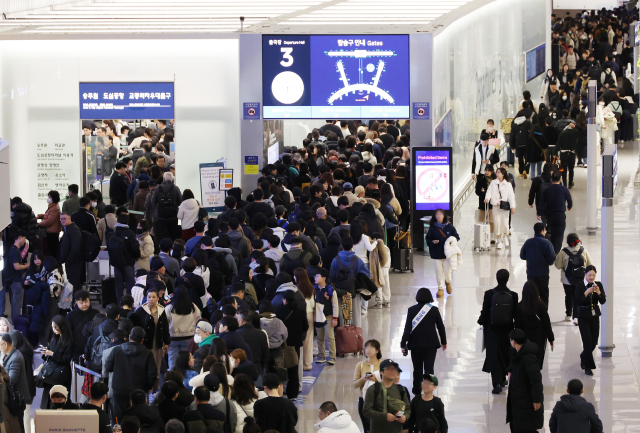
x: 65, y: 337
x: 33, y: 269
x: 22, y: 345
x: 356, y: 231
x: 218, y: 349
x: 445, y: 219
x: 182, y: 305
x: 531, y: 301
x: 303, y: 283
x: 201, y: 257
x: 221, y: 371
x: 182, y: 362
x: 243, y: 391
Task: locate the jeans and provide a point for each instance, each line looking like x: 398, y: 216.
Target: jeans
x: 174, y: 348
x: 329, y: 331
x: 535, y: 167
x: 124, y: 280
x: 17, y: 294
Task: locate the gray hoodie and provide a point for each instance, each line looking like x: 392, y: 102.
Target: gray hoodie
x: 240, y: 242
x: 275, y: 329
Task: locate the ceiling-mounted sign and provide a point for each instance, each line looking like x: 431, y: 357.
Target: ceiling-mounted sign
x: 126, y: 101
x: 250, y: 110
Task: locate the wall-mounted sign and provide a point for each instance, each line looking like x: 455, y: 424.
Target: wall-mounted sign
x: 251, y: 165
x: 421, y: 110
x: 250, y: 110
x: 210, y: 192
x: 226, y: 179
x: 126, y: 101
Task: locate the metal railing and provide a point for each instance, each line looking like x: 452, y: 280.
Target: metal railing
x: 15, y: 6
x: 77, y: 369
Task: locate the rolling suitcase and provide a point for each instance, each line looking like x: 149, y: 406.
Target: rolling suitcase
x: 349, y: 340
x: 401, y: 258
x: 109, y: 291
x: 482, y: 233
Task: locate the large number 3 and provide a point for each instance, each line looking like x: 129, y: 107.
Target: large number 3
x: 286, y: 55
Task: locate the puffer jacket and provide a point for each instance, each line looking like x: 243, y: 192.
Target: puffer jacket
x: 23, y: 217
x: 276, y: 330
x: 562, y: 260
x: 146, y: 251
x: 337, y: 422
x: 181, y: 326
x: 453, y: 253
x: 188, y: 213
x: 51, y: 220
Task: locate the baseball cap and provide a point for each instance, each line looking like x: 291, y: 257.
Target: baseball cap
x: 59, y: 389
x: 389, y: 363
x: 156, y: 264
x: 212, y: 382
x: 431, y: 378
x: 205, y: 326
x: 347, y: 186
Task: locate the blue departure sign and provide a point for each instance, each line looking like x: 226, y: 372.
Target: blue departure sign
x: 126, y: 101
x: 324, y: 77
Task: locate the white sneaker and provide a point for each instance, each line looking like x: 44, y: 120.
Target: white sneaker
x: 584, y: 165
x: 500, y: 245
x: 575, y: 322
x: 506, y: 241
x: 567, y: 318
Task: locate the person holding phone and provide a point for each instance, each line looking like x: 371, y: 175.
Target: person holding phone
x: 386, y: 404
x: 367, y: 373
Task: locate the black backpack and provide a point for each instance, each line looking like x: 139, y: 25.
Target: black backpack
x: 117, y: 248
x: 345, y: 278
x: 166, y: 207
x: 291, y: 264
x: 575, y: 266
x: 98, y: 348
x: 502, y: 309
x: 91, y: 247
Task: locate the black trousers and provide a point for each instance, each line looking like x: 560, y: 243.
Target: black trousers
x: 568, y: 160
x: 118, y: 404
x: 53, y: 245
x: 543, y: 286
x: 589, y: 332
x: 569, y: 300
x: 556, y: 224
x: 423, y: 360
x: 166, y: 229
x: 293, y: 384
x: 75, y: 274
x: 365, y: 421
x: 523, y: 167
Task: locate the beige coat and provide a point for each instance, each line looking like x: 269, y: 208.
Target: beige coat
x: 108, y: 220
x: 562, y: 260
x: 146, y: 251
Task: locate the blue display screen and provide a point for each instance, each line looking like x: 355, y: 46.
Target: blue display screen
x: 535, y: 62
x: 433, y: 179
x: 324, y: 77
x: 126, y: 101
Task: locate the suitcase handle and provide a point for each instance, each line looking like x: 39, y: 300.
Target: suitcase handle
x: 486, y: 213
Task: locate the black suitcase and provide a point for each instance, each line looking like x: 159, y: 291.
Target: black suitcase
x: 402, y: 260
x: 109, y: 291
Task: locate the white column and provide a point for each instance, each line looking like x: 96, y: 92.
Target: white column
x: 592, y: 159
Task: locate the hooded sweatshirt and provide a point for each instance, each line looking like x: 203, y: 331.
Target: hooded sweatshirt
x: 136, y: 368
x: 276, y: 255
x: 279, y: 307
x: 574, y: 414
x: 339, y: 421
x: 276, y: 330
x: 188, y: 213
x: 346, y: 257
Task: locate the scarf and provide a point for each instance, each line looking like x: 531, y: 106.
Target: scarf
x: 439, y: 225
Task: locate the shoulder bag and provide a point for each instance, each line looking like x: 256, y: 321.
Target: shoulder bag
x: 52, y: 374
x: 504, y: 205
x: 544, y: 155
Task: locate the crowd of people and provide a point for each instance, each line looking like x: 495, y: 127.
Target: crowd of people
x: 210, y: 321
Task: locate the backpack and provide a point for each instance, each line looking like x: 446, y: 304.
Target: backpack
x: 91, y: 247
x: 98, y: 348
x: 616, y: 111
x: 345, y: 278
x: 294, y: 214
x: 117, y: 248
x: 166, y: 208
x: 16, y: 403
x: 291, y: 264
x: 575, y: 266
x: 502, y: 309
x: 543, y: 186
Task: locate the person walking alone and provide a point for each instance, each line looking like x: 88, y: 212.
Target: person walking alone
x: 539, y: 254
x: 589, y: 296
x: 532, y: 317
x: 439, y: 231
x: 500, y: 195
x: 574, y: 414
x: 555, y: 200
x: 576, y: 255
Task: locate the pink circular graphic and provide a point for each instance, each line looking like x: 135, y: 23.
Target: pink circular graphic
x: 438, y: 185
x: 252, y: 111
x: 421, y: 111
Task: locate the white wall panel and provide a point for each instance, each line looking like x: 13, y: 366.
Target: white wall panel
x: 478, y: 70
x: 585, y: 4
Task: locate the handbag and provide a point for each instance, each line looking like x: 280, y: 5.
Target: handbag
x: 41, y: 232
x: 403, y: 239
x: 504, y: 205
x: 290, y: 356
x: 52, y: 374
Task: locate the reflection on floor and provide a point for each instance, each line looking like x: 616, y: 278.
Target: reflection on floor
x: 464, y: 388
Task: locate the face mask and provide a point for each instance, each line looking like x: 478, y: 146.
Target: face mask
x: 197, y: 339
x: 94, y: 203
x: 139, y: 231
x: 49, y: 200
x: 130, y: 167
x: 601, y: 104
x: 564, y: 98
x: 58, y: 405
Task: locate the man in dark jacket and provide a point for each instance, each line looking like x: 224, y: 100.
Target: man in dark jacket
x: 255, y: 339
x: 84, y: 218
x: 574, y: 414
x: 295, y: 257
x: 227, y: 331
x: 555, y: 200
x: 525, y: 408
x: 136, y: 370
x: 71, y: 252
x: 99, y: 391
x: 539, y: 254
x: 124, y: 250
x: 496, y: 331
x: 82, y: 314
x: 258, y: 205
x: 331, y: 251
x: 148, y: 415
x: 23, y: 217
x: 205, y: 417
x: 567, y: 146
x: 295, y: 319
x: 118, y: 185
x: 520, y: 128
x: 166, y: 199
x: 104, y: 329
x: 539, y: 184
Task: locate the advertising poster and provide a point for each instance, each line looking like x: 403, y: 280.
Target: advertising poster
x: 210, y: 193
x: 433, y: 180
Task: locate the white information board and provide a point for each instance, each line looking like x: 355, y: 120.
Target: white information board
x: 210, y: 193
x: 70, y: 421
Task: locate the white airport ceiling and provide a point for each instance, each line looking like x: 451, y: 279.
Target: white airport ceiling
x: 123, y: 17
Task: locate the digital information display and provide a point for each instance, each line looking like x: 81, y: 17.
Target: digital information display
x: 324, y: 77
x: 433, y: 180
x: 535, y: 62
x: 126, y: 101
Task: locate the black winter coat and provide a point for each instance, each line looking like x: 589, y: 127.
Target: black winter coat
x: 235, y: 341
x: 297, y: 326
x: 118, y: 189
x: 582, y: 143
x: 574, y: 414
x: 537, y: 328
x: 71, y: 245
x: 136, y: 368
x: 162, y: 336
x: 132, y: 253
x: 108, y: 326
x: 568, y: 140
x: 331, y: 251
x: 496, y: 338
x: 534, y: 191
x: 482, y: 185
x: 424, y: 336
x: 258, y: 343
x: 39, y: 296
x: 85, y: 220
x: 24, y: 218
x: 436, y: 251
x: 62, y: 353
x: 536, y: 151
x: 76, y: 320
x: 525, y: 388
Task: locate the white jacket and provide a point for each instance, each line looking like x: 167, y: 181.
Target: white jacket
x: 481, y: 165
x: 339, y: 421
x: 498, y: 191
x: 453, y: 252
x: 188, y: 213
x: 243, y: 411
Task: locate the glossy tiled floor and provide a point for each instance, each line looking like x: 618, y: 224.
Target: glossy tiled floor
x: 464, y: 388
